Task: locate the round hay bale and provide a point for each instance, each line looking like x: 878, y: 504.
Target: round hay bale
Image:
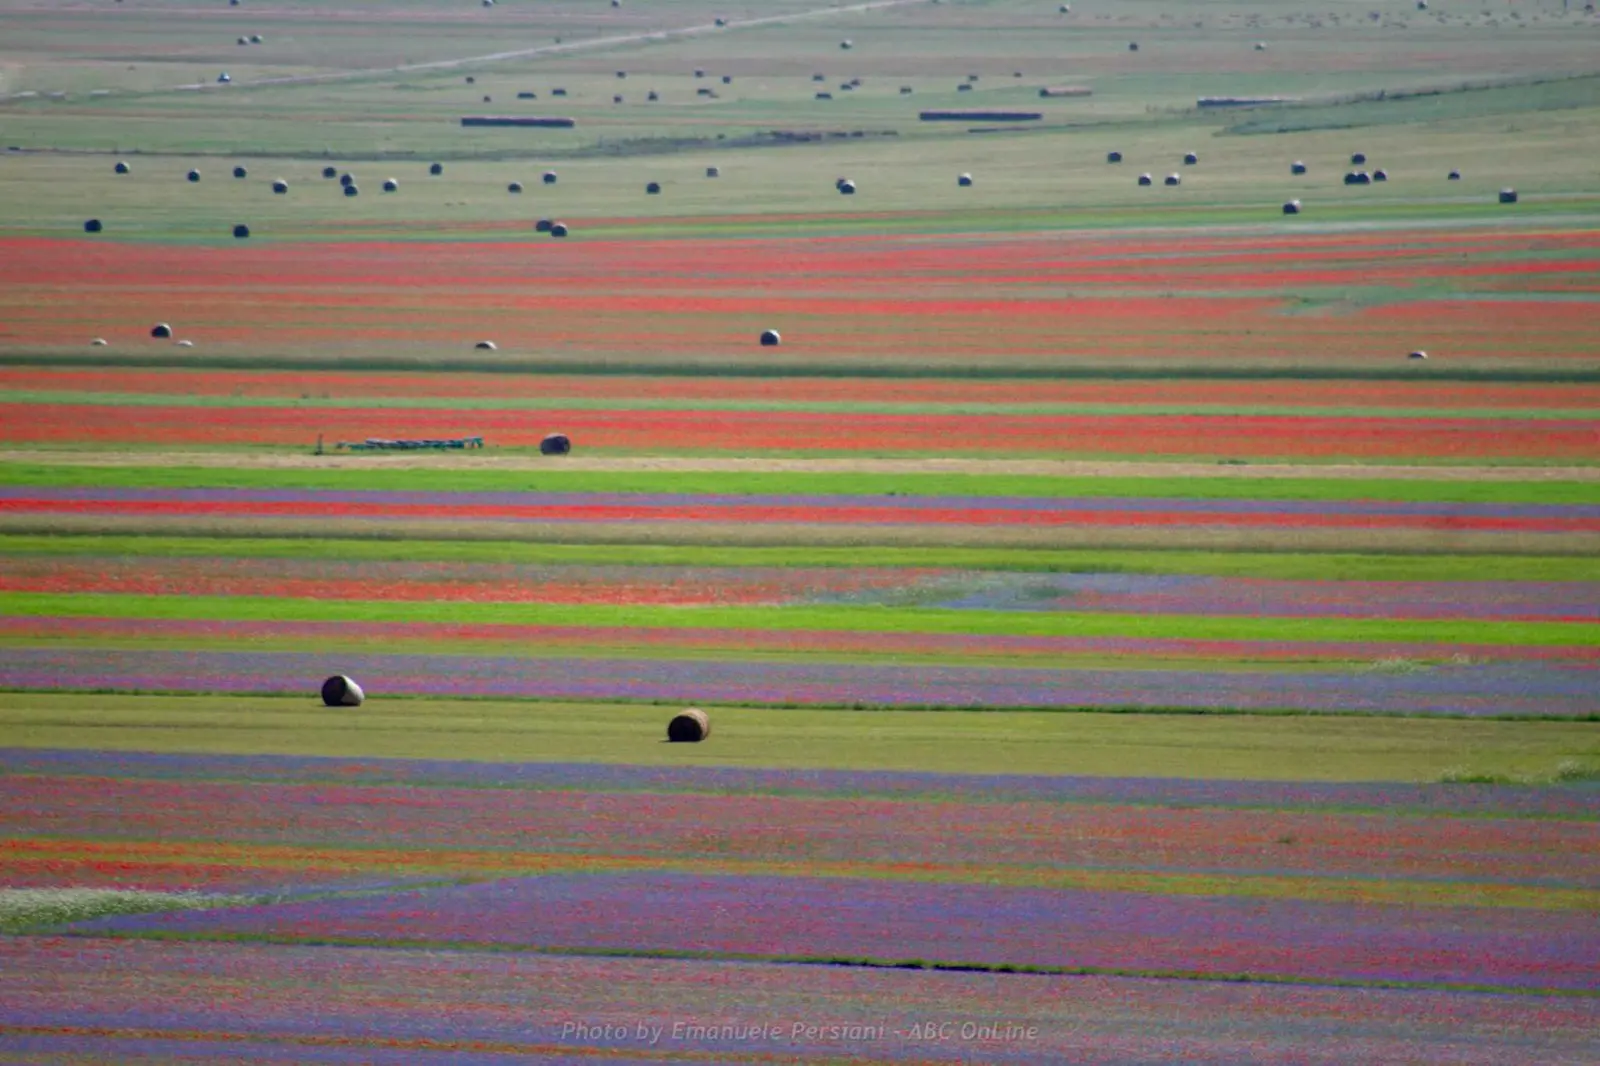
x: 223, y: 79
x: 713, y: 172
x: 823, y: 96
x: 1261, y: 46
x: 905, y: 90
x: 722, y: 21
x: 161, y: 331
x: 1455, y: 175
x: 963, y: 88
x: 1190, y: 159
x: 558, y: 229
x: 92, y: 226
x: 1422, y: 5
x: 622, y: 74
x: 241, y: 231
x: 616, y: 99
x: 963, y: 180
x: 543, y: 225
x: 436, y: 169
x: 1418, y: 354
x: 1297, y: 167
x: 972, y: 77
x: 1065, y: 9
x: 699, y: 73
x: 352, y: 190
x: 98, y: 342
x: 1292, y: 207
x: 1113, y: 157
x: 652, y: 95
x: 331, y: 172
x: 771, y: 338
x: 193, y: 175
x: 121, y: 167
x: 240, y: 172
x: 1133, y: 46
x: 471, y: 80
x: 549, y: 177
x: 689, y: 727
x: 819, y: 77
x: 1508, y: 196
x: 847, y: 44
x: 340, y: 691
x: 390, y: 185
x: 186, y: 344
x: 280, y: 186
x: 488, y: 99
x: 514, y: 187
x: 485, y: 346
x: 1358, y: 177
x: 727, y: 79
x: 1357, y: 158
x: 255, y: 38
x: 653, y: 188
x: 1174, y: 179
x: 1145, y: 179
x: 347, y: 179
x: 1380, y: 175
x: 847, y: 188
x: 555, y: 444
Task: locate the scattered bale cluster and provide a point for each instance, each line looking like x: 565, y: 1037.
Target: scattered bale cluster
x: 1297, y: 167
x: 1059, y: 92
x: 1358, y: 177
x: 92, y: 226
x: 689, y: 727
x: 241, y: 231
x: 555, y: 444
x: 121, y: 168
x: 980, y: 116
x: 554, y: 122
x: 771, y: 338
x: 280, y: 187
x: 340, y: 691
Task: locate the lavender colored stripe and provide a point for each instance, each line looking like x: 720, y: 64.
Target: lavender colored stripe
x: 850, y: 918
x: 1498, y: 689
x: 1571, y: 801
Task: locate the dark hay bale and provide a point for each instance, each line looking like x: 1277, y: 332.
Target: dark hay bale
x: 1357, y: 158
x: 555, y: 444
x: 543, y: 225
x: 824, y: 96
x: 1358, y: 177
x: 351, y: 190
x: 616, y: 99
x: 121, y: 168
x: 484, y: 346
x: 514, y: 187
x: 708, y: 93
x: 622, y: 74
x: 194, y: 175
x: 1190, y: 159
x: 1508, y: 196
x: 722, y: 22
x: 905, y: 90
x: 161, y: 331
x: 1418, y: 354
x: 1297, y: 167
x: 436, y: 169
x: 280, y: 186
x: 699, y: 73
x: 1113, y: 157
x: 1380, y: 175
x: 1292, y: 207
x: 471, y: 80
x: 525, y: 95
x: 847, y: 44
x: 653, y: 188
x: 770, y: 338
x: 488, y: 99
x: 340, y: 691
x: 1065, y: 9
x: 847, y: 188
x: 1145, y: 179
x: 243, y: 41
x: 558, y: 92
x: 223, y: 79
x: 713, y: 172
x: 330, y: 172
x: 1455, y: 175
x: 1261, y: 46
x: 727, y: 79
x: 652, y: 95
x: 255, y: 38
x: 92, y: 226
x: 241, y: 231
x: 972, y: 77
x: 963, y: 88
x: 1174, y: 179
x: 347, y: 179
x: 964, y: 180
x: 689, y: 727
x: 1133, y: 46
x: 390, y: 185
x: 549, y: 177
x: 558, y: 229
x: 818, y: 77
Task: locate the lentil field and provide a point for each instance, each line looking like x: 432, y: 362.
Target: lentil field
x: 1139, y: 624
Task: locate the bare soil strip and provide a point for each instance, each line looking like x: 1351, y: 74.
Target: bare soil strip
x: 1066, y: 468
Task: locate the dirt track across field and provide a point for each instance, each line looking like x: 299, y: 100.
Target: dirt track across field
x: 740, y: 465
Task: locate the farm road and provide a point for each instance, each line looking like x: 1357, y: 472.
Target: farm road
x: 595, y: 44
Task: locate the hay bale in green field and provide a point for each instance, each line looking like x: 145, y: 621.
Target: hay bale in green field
x: 92, y: 226
x: 390, y: 185
x: 555, y: 444
x: 558, y: 229
x: 690, y: 726
x: 332, y: 172
x: 964, y: 180
x: 771, y: 338
x: 653, y: 188
x: 1508, y: 196
x: 543, y: 225
x: 1145, y: 179
x: 160, y: 331
x: 193, y: 175
x: 340, y: 691
x: 121, y: 167
x: 241, y: 231
x: 514, y: 188
x: 280, y: 186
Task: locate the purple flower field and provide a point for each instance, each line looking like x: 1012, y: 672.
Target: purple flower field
x: 1461, y: 690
